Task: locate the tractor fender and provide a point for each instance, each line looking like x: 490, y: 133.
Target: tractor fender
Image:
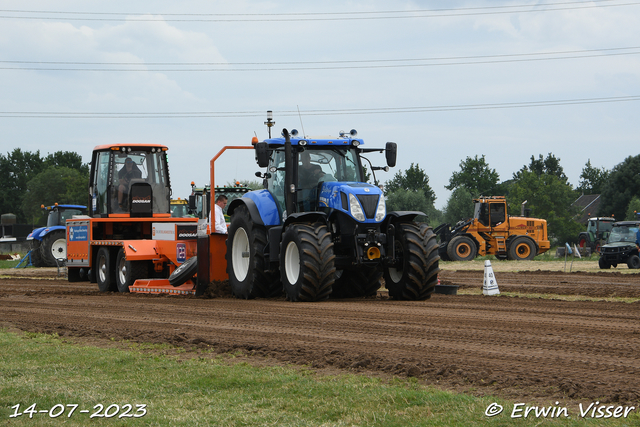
x: 48, y: 230
x: 261, y: 206
x: 308, y: 217
x: 36, y: 234
x: 400, y: 216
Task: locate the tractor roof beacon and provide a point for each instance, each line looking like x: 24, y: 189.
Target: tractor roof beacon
x: 317, y: 228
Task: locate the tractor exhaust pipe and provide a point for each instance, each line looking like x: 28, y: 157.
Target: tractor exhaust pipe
x: 288, y: 173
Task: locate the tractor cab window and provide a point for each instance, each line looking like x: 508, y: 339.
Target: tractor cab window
x: 497, y: 214
x: 481, y: 213
x: 275, y: 180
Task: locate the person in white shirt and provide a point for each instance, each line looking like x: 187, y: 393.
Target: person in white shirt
x: 221, y: 225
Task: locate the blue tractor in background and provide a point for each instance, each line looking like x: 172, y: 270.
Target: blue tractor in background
x: 49, y: 244
x: 318, y: 229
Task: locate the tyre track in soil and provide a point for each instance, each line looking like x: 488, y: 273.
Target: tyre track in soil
x: 530, y: 350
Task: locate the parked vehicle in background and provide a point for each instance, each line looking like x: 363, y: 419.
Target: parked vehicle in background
x: 620, y: 247
x: 598, y: 230
x: 49, y: 244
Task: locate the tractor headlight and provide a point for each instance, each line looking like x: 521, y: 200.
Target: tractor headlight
x: 381, y: 211
x: 354, y: 207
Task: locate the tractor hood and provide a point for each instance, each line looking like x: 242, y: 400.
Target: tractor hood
x: 363, y: 202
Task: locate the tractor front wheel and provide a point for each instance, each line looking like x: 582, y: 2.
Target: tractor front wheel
x: 307, y: 262
x: 415, y: 273
x: 247, y: 267
x: 54, y: 248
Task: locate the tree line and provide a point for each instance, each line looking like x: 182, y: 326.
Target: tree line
x: 29, y: 180
x: 542, y: 183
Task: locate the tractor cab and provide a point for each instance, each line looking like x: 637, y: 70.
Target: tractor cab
x: 490, y: 211
x: 129, y: 179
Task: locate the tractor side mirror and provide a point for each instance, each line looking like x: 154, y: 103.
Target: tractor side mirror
x: 192, y: 202
x: 391, y: 152
x: 262, y: 154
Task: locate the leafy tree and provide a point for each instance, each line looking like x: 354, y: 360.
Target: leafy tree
x: 592, y: 179
x: 408, y: 200
x: 60, y: 185
x: 67, y: 159
x: 632, y: 209
x: 413, y: 179
x: 459, y: 206
x: 475, y: 176
x: 16, y: 169
x: 623, y: 184
x: 549, y: 195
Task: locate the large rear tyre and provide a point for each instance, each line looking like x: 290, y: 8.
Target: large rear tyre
x: 105, y: 271
x: 127, y: 272
x: 364, y: 281
x: 246, y: 264
x: 522, y: 249
x: 462, y: 248
x: 36, y: 254
x: 307, y: 262
x: 415, y: 274
x: 184, y: 272
x: 54, y: 248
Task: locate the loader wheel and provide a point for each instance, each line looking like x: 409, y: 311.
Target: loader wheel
x: 247, y: 267
x: 307, y: 262
x: 462, y: 248
x: 522, y: 249
x: 105, y: 271
x: 184, y: 272
x: 415, y: 274
x: 54, y: 248
x: 36, y: 254
x: 633, y: 262
x: 127, y: 272
x: 364, y: 281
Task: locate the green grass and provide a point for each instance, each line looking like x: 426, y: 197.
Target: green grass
x: 214, y: 391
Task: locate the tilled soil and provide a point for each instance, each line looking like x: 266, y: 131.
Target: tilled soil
x: 526, y: 349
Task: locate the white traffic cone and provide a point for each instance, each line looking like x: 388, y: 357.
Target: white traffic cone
x: 489, y: 285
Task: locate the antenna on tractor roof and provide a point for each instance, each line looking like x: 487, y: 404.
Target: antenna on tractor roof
x: 301, y: 125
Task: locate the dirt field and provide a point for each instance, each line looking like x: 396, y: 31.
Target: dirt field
x: 526, y: 349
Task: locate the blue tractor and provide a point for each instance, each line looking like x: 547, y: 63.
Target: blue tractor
x: 318, y: 229
x: 49, y: 244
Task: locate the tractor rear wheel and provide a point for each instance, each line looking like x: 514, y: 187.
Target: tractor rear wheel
x: 415, y: 275
x: 247, y: 267
x: 36, y: 253
x: 462, y: 248
x: 522, y: 249
x: 105, y: 271
x: 54, y: 248
x: 364, y: 281
x: 307, y: 262
x: 127, y: 272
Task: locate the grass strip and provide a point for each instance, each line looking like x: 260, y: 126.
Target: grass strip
x: 45, y: 370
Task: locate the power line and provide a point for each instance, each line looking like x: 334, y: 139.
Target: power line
x: 294, y: 113
x: 317, y: 16
x: 331, y: 65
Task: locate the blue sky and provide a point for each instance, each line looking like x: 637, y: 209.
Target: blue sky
x: 329, y: 60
